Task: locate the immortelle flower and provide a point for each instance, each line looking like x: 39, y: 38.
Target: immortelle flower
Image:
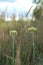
x: 13, y: 32
x: 33, y: 29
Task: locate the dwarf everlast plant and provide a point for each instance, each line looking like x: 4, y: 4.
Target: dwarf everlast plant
x: 13, y: 33
x: 33, y: 29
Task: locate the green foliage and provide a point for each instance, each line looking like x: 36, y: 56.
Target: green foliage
x: 24, y: 38
x: 37, y: 1
x: 37, y: 12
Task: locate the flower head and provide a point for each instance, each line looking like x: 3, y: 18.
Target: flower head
x: 32, y: 29
x: 13, y: 32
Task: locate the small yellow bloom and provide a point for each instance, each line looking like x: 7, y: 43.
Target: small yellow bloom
x: 32, y: 29
x: 13, y: 32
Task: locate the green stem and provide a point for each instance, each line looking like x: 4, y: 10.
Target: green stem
x: 13, y: 51
x: 33, y: 47
x: 0, y: 48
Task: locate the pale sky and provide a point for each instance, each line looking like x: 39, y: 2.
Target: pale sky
x: 15, y: 6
